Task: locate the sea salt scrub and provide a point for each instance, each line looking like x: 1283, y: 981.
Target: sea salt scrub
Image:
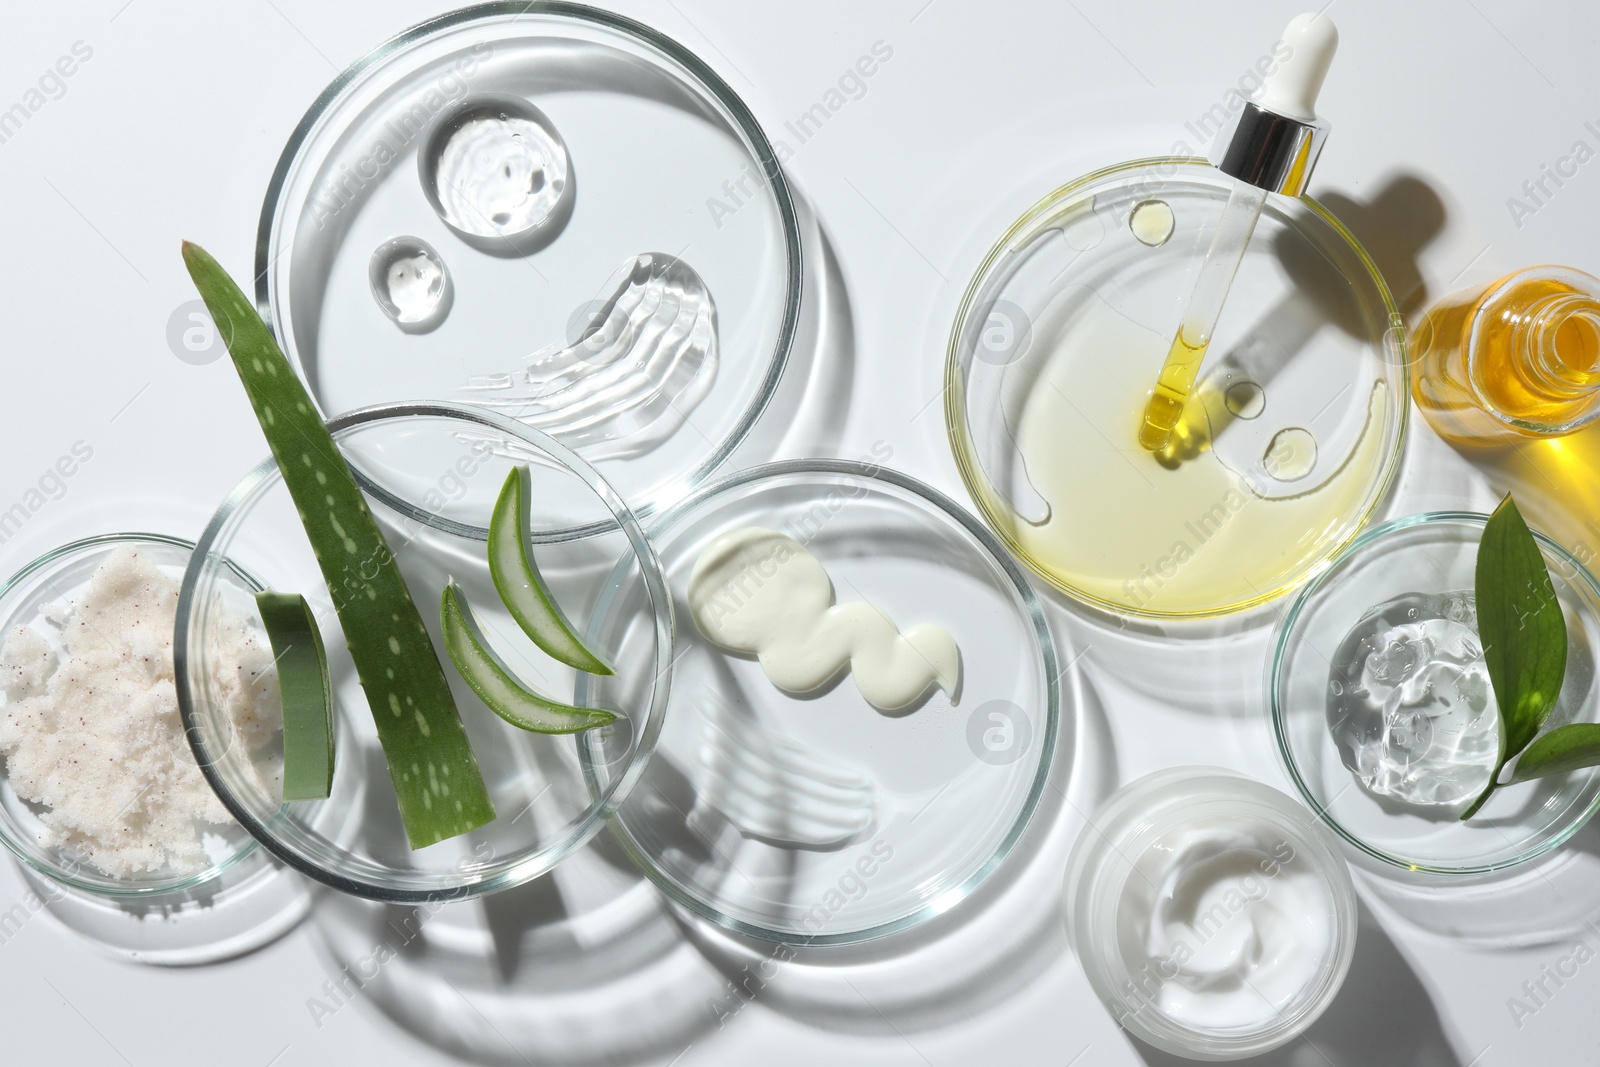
x: 90, y: 727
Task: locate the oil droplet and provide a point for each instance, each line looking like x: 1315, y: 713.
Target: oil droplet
x: 1290, y: 455
x: 1151, y: 222
x: 410, y: 283
x: 1245, y: 399
x: 497, y: 172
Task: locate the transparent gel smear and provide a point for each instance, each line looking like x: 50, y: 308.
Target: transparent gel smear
x: 498, y: 174
x: 410, y: 283
x: 1410, y: 705
x: 646, y: 359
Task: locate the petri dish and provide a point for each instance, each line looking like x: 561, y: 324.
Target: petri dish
x: 431, y: 473
x: 578, y: 225
x: 813, y: 818
x: 60, y: 577
x: 1399, y: 813
x: 239, y: 900
x: 1290, y: 439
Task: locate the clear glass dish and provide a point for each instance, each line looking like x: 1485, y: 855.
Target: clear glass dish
x: 1296, y: 422
x: 239, y: 902
x: 1145, y: 824
x: 431, y: 473
x: 58, y: 577
x: 927, y: 800
x: 653, y: 154
x: 1433, y: 553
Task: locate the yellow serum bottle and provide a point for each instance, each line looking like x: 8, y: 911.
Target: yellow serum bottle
x: 1515, y: 360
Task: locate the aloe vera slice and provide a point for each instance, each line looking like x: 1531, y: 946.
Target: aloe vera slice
x: 516, y: 577
x: 306, y: 692
x: 505, y: 697
x: 436, y: 779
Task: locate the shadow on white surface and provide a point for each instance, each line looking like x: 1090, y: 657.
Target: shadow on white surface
x: 969, y: 960
x: 1549, y: 901
x: 582, y: 966
x: 807, y: 413
x: 1382, y: 1015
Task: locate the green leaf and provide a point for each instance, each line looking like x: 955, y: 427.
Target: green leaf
x: 1570, y: 748
x: 306, y: 691
x: 517, y: 579
x: 1520, y: 623
x: 418, y: 724
x: 505, y: 696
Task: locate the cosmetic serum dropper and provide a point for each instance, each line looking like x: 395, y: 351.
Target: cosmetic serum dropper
x: 1272, y: 150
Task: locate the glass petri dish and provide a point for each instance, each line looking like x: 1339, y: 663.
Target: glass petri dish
x: 548, y: 210
x: 59, y: 577
x: 1410, y: 820
x: 240, y: 900
x: 1291, y: 437
x: 814, y: 818
x: 431, y: 473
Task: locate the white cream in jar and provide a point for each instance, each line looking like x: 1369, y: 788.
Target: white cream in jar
x: 1212, y: 914
x: 1225, y: 923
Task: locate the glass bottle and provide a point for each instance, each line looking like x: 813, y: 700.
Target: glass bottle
x: 1517, y: 359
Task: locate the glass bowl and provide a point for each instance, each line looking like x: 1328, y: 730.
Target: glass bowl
x: 1430, y: 554
x: 663, y: 160
x: 58, y: 577
x: 431, y: 473
x: 1293, y: 431
x: 1144, y: 825
x: 813, y: 818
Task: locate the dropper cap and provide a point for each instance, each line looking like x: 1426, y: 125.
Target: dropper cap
x: 1278, y: 136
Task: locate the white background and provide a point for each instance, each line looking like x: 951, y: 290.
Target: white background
x: 171, y: 130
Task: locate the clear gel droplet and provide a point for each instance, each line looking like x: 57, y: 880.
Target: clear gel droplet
x: 410, y: 283
x: 1152, y: 222
x: 497, y: 172
x: 1290, y: 455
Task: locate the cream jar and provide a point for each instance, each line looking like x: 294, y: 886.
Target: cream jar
x: 1211, y: 913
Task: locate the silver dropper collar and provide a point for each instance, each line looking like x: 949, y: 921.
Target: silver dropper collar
x: 1271, y: 151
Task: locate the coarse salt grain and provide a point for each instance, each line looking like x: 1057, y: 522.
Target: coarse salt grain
x: 90, y: 725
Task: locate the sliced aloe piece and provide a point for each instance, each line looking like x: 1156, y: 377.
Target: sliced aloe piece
x: 516, y: 577
x: 436, y: 779
x: 306, y: 692
x: 505, y: 697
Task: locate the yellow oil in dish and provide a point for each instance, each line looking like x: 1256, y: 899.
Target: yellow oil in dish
x: 1157, y: 534
x: 1517, y: 359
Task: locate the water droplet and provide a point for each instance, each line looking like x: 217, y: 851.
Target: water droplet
x: 410, y: 283
x: 1290, y: 455
x: 1245, y: 399
x: 1151, y: 222
x: 498, y: 174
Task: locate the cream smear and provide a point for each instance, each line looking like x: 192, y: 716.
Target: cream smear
x: 759, y: 592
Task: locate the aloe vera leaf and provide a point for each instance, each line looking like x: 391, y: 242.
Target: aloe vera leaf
x: 436, y: 778
x: 496, y: 688
x: 517, y: 579
x: 306, y: 692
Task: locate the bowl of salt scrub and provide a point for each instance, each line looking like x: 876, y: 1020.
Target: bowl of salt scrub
x: 100, y: 791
